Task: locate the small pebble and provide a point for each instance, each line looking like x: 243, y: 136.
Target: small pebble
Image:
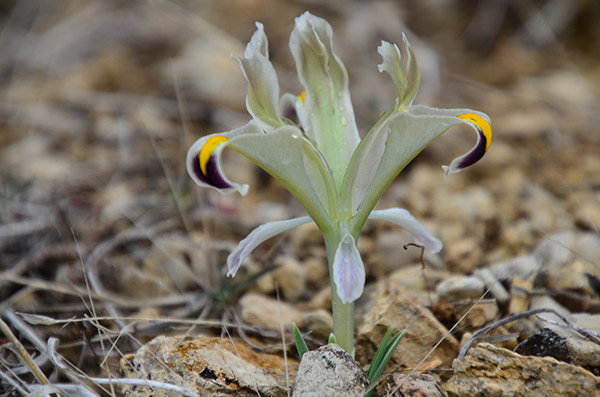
x: 457, y: 288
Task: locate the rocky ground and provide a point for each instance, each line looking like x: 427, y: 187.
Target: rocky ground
x: 112, y: 262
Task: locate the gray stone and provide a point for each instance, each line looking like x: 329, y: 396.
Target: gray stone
x: 524, y: 267
x: 329, y: 371
x: 555, y: 250
x: 460, y: 287
x: 319, y: 323
x: 417, y: 385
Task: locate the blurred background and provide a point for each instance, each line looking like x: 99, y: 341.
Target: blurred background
x: 99, y: 101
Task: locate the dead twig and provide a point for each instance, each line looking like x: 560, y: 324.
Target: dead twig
x: 23, y: 354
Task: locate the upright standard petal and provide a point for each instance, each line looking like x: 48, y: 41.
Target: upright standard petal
x: 365, y: 159
x: 408, y: 133
x: 257, y: 237
x: 203, y: 160
x: 262, y: 100
x: 348, y: 270
x: 331, y: 123
x: 406, y: 78
x: 403, y: 218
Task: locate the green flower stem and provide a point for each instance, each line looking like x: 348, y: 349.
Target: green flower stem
x: 343, y: 313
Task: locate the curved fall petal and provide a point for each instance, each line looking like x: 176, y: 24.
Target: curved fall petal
x: 482, y: 126
x: 282, y: 153
x: 203, y: 160
x: 406, y: 133
x: 348, y: 270
x: 403, y: 218
x: 262, y: 100
x: 331, y: 124
x: 257, y: 237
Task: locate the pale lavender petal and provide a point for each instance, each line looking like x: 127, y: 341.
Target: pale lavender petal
x: 402, y: 217
x: 348, y: 270
x: 257, y: 237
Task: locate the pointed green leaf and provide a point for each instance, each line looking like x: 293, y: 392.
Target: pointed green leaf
x: 382, y: 356
x: 300, y: 343
x: 332, y: 338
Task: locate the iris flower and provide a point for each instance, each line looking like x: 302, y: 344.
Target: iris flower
x: 310, y: 143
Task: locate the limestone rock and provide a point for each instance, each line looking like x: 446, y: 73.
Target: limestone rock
x: 492, y: 371
x: 329, y: 371
x: 424, y: 331
x: 207, y: 365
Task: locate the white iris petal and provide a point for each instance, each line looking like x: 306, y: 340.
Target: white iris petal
x: 403, y: 218
x: 257, y: 237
